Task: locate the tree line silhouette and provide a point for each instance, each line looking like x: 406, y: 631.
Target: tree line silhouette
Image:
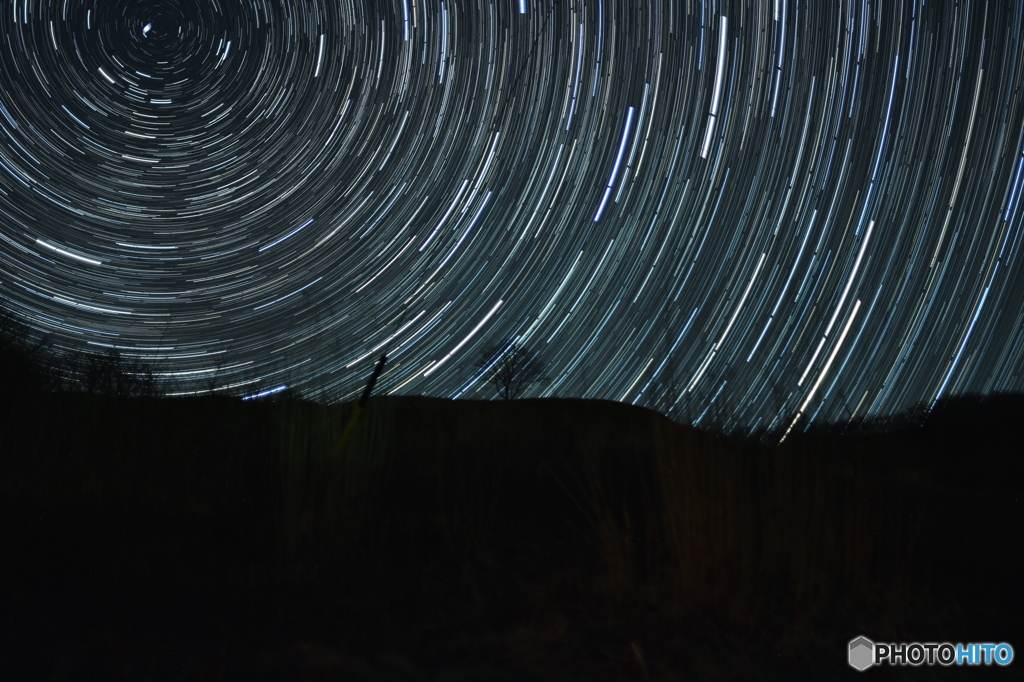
x: 30, y: 363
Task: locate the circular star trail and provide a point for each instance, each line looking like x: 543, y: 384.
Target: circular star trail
x: 771, y: 209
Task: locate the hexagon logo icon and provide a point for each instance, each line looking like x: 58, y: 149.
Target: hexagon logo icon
x: 862, y: 653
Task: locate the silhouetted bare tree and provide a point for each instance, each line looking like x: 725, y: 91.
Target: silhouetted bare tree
x: 511, y: 369
x: 22, y: 358
x: 109, y: 373
x: 669, y: 387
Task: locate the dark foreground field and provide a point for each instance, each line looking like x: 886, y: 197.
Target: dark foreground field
x: 214, y: 539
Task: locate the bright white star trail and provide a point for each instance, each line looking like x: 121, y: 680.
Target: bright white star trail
x: 775, y: 207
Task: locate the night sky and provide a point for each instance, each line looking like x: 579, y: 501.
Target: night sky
x: 771, y: 207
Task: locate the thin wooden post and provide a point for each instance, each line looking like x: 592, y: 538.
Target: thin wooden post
x: 365, y: 398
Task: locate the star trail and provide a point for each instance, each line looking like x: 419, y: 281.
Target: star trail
x: 784, y: 210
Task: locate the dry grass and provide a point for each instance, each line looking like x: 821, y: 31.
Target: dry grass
x: 744, y: 525
x: 494, y: 511
x: 327, y: 488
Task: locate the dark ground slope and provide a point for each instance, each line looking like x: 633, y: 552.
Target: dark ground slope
x: 214, y: 539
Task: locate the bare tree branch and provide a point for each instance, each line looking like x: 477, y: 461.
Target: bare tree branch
x: 511, y: 369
